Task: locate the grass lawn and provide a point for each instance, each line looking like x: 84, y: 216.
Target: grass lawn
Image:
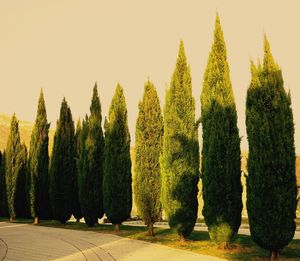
x: 242, y: 247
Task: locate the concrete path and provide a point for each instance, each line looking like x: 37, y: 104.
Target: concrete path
x: 29, y: 242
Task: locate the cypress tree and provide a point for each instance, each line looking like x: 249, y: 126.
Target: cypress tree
x: 77, y: 213
x: 22, y: 205
x: 3, y: 197
x: 117, y: 179
x: 38, y: 164
x: 62, y: 167
x: 271, y: 181
x: 221, y: 164
x: 180, y: 157
x: 83, y: 179
x: 91, y: 169
x: 148, y: 146
x: 15, y: 171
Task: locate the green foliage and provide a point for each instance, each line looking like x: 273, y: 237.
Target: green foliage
x: 63, y: 166
x: 3, y: 197
x: 221, y: 232
x: 38, y: 164
x: 180, y: 157
x: 221, y: 165
x: 90, y: 164
x: 23, y: 204
x: 148, y: 146
x: 84, y: 182
x: 298, y: 209
x: 117, y: 179
x: 15, y: 168
x: 77, y: 213
x: 298, y: 205
x: 271, y: 181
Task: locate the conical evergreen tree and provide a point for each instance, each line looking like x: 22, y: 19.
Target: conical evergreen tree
x: 22, y: 204
x: 3, y: 197
x: 77, y: 213
x: 180, y: 158
x: 271, y: 181
x: 63, y: 165
x: 117, y: 180
x: 221, y: 165
x: 148, y: 147
x: 38, y: 164
x: 15, y: 173
x: 83, y: 180
x: 92, y: 160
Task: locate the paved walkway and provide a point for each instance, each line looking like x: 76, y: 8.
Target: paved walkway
x: 29, y: 242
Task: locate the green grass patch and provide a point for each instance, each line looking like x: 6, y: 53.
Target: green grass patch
x: 241, y: 248
x: 19, y: 220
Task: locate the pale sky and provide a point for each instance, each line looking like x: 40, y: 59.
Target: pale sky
x: 65, y: 46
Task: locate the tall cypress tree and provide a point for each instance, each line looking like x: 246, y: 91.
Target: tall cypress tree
x: 62, y: 167
x: 3, y: 196
x: 148, y: 147
x: 91, y: 169
x: 221, y: 165
x: 117, y: 180
x: 77, y: 213
x: 38, y: 164
x: 271, y: 181
x: 83, y: 180
x: 180, y: 157
x: 22, y: 203
x: 15, y: 172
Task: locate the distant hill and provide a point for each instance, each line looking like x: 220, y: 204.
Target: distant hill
x: 25, y: 128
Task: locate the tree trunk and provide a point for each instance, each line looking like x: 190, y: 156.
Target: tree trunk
x: 224, y: 245
x: 274, y: 255
x: 78, y: 220
x: 117, y: 228
x: 150, y: 230
x: 11, y: 220
x: 182, y: 238
x: 36, y: 221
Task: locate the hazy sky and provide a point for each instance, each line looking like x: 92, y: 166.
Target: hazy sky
x: 65, y: 46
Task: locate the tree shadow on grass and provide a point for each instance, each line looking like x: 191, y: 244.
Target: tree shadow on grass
x: 162, y: 231
x: 248, y: 250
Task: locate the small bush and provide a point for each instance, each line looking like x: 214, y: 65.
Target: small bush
x: 221, y: 233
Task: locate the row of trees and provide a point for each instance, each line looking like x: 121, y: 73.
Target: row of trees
x: 167, y: 155
x: 90, y: 171
x: 80, y: 178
